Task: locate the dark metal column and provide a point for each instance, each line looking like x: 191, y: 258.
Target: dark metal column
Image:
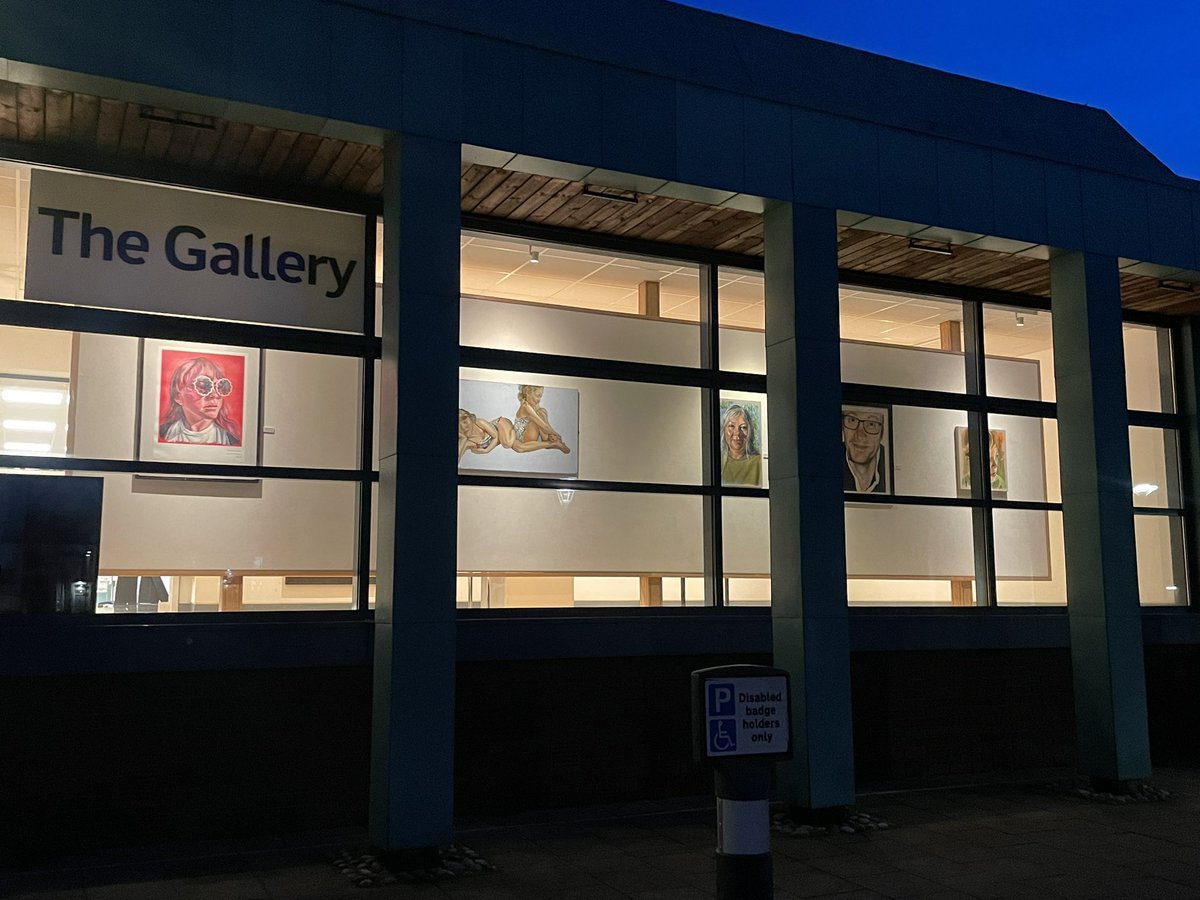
x: 412, y: 748
x: 808, y: 532
x: 1102, y: 589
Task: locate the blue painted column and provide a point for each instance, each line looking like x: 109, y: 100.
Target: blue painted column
x: 412, y: 731
x: 1102, y: 589
x: 808, y: 530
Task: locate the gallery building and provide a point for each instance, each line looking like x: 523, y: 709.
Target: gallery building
x: 257, y: 261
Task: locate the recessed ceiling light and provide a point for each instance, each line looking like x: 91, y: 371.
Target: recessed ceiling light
x: 26, y: 447
x: 29, y: 425
x: 32, y: 396
x: 942, y: 248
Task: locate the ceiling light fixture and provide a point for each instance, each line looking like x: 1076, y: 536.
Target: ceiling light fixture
x: 26, y: 447
x: 942, y: 248
x: 29, y: 425
x: 1172, y: 284
x: 1020, y: 320
x: 535, y: 256
x: 565, y: 495
x: 32, y: 396
x: 606, y: 193
x: 173, y: 117
x: 1144, y: 489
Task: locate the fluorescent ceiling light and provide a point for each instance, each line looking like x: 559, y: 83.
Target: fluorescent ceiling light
x: 26, y: 447
x: 29, y: 425
x: 32, y: 396
x: 1145, y: 489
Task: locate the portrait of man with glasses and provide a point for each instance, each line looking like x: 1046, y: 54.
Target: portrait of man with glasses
x: 864, y: 435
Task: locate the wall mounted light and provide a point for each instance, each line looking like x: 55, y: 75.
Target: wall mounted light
x: 606, y: 193
x: 942, y: 248
x: 565, y: 495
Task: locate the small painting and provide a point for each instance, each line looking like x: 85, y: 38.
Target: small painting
x: 518, y: 428
x: 997, y: 452
x: 741, y: 443
x: 199, y: 403
x: 866, y: 437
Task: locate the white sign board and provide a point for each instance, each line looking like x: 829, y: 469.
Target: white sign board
x: 746, y: 716
x: 126, y: 245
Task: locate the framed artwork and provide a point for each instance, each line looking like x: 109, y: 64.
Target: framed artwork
x: 998, y: 453
x: 739, y: 442
x: 517, y: 428
x: 199, y: 403
x: 867, y: 439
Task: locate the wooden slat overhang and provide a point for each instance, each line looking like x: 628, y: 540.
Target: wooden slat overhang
x: 130, y: 135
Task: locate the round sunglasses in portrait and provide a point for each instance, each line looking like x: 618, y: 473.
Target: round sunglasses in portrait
x: 205, y: 386
x: 870, y: 426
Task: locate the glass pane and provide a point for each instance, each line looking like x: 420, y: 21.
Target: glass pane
x: 1024, y: 459
x: 741, y: 299
x: 576, y: 548
x: 116, y: 397
x: 1020, y: 352
x: 574, y: 302
x: 742, y: 439
x: 14, y: 231
x: 747, y: 550
x: 1030, y: 566
x: 169, y: 545
x: 902, y: 340
x: 909, y: 555
x: 606, y: 430
x: 1154, y: 465
x: 1160, y: 560
x: 925, y: 448
x: 1149, y: 384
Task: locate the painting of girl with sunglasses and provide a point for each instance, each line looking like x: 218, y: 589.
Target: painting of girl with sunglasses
x: 200, y: 406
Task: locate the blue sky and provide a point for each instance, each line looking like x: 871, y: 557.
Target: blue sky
x: 1137, y: 61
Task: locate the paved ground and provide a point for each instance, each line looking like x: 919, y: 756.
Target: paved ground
x: 1010, y: 841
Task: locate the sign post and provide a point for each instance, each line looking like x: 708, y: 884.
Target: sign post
x: 740, y: 725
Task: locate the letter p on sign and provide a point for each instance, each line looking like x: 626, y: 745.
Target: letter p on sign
x: 720, y: 698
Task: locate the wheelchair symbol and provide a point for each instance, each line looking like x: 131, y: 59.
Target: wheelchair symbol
x: 722, y: 738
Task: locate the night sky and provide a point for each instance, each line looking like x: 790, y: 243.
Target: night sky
x: 1137, y: 61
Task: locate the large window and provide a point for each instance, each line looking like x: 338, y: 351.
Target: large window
x: 952, y: 488
x: 235, y: 459
x: 603, y: 453
x: 1154, y: 457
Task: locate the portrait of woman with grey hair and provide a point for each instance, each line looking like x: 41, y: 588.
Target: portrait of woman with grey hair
x: 741, y: 454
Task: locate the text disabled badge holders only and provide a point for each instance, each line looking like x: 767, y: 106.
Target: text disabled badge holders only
x: 740, y: 725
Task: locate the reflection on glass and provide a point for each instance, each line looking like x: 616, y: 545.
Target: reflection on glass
x: 1160, y: 560
x: 1020, y: 352
x: 909, y: 555
x: 575, y: 302
x: 600, y: 548
x: 746, y: 545
x: 1149, y: 381
x: 1028, y: 448
x: 902, y: 340
x: 1030, y: 561
x: 1154, y: 467
x: 741, y: 310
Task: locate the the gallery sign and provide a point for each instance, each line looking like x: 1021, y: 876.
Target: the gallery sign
x: 127, y: 245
